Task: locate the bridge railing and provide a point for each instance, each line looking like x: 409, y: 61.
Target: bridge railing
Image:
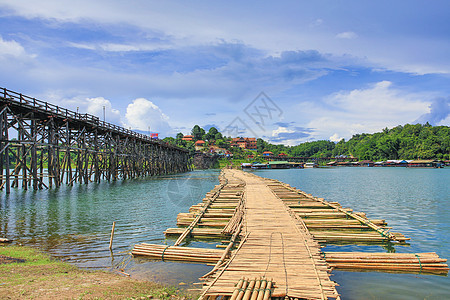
x: 49, y: 108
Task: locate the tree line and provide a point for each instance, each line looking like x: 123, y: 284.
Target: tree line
x: 418, y: 141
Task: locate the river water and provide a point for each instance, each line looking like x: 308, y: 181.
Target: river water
x: 74, y: 223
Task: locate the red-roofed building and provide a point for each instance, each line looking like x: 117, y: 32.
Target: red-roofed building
x: 282, y: 154
x: 199, y: 145
x: 245, y: 143
x: 267, y: 153
x: 187, y: 138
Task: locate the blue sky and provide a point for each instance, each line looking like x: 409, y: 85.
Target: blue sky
x: 290, y: 71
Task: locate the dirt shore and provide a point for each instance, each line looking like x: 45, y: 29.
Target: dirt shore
x: 37, y: 276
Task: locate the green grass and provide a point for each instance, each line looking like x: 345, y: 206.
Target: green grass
x: 32, y: 256
x: 40, y: 273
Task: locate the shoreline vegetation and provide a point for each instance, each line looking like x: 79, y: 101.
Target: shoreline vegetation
x: 31, y: 274
x: 408, y: 142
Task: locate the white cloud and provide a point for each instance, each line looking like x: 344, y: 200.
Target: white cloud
x: 95, y: 106
x: 92, y: 106
x: 11, y: 48
x: 366, y: 110
x: 276, y: 132
x: 335, y: 138
x: 140, y: 114
x: 347, y: 35
x: 115, y: 47
x: 143, y: 114
x: 403, y: 48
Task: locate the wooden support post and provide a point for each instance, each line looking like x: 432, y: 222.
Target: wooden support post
x: 45, y: 138
x: 112, y: 235
x: 33, y: 153
x: 6, y: 153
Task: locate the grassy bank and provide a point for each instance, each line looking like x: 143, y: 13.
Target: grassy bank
x: 41, y: 277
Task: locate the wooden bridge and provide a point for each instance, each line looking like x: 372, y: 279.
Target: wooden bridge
x: 40, y: 141
x: 276, y: 232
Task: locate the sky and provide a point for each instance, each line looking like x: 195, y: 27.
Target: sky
x: 285, y: 71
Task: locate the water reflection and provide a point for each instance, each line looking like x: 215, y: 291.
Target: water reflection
x: 74, y: 223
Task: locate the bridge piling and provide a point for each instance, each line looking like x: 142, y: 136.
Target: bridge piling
x: 40, y: 140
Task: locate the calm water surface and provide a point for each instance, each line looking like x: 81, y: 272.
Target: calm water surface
x: 74, y: 223
x: 414, y: 202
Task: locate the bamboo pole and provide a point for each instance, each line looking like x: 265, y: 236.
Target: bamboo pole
x: 112, y: 235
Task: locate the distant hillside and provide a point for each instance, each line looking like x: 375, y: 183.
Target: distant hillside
x: 405, y: 142
x: 401, y: 142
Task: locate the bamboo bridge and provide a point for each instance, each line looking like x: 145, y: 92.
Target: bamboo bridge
x: 44, y: 145
x: 270, y: 237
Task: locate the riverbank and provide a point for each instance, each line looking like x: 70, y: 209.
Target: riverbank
x: 34, y: 275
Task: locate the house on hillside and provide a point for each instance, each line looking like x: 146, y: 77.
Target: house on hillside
x: 187, y: 138
x: 267, y: 153
x: 245, y: 143
x: 199, y: 145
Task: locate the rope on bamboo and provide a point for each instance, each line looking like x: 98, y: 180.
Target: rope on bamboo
x: 348, y: 215
x: 284, y: 261
x: 224, y: 268
x: 420, y: 263
x: 162, y: 255
x: 305, y: 231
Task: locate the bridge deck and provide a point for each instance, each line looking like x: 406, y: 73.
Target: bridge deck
x: 277, y: 247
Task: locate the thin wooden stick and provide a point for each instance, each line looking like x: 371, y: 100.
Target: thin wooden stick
x: 112, y: 235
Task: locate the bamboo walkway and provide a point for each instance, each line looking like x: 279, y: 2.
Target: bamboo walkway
x: 278, y: 247
x: 271, y: 234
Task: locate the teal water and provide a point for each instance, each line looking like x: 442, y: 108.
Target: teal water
x: 414, y: 202
x: 75, y: 223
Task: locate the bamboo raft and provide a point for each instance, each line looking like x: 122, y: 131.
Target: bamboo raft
x: 330, y: 223
x: 217, y: 216
x: 176, y: 253
x: 272, y: 232
x: 422, y: 263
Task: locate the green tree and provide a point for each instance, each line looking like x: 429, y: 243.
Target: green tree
x: 260, y: 145
x: 197, y: 132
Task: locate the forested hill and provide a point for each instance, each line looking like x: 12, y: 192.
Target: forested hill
x: 401, y: 142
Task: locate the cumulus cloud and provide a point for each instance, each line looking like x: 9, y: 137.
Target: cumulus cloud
x: 439, y: 110
x: 369, y: 109
x: 11, y: 48
x: 94, y: 106
x: 143, y: 114
x: 349, y: 35
x: 289, y: 135
x: 335, y: 138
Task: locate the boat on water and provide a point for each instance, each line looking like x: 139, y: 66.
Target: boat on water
x: 310, y: 165
x: 279, y: 164
x: 260, y: 166
x: 246, y: 165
